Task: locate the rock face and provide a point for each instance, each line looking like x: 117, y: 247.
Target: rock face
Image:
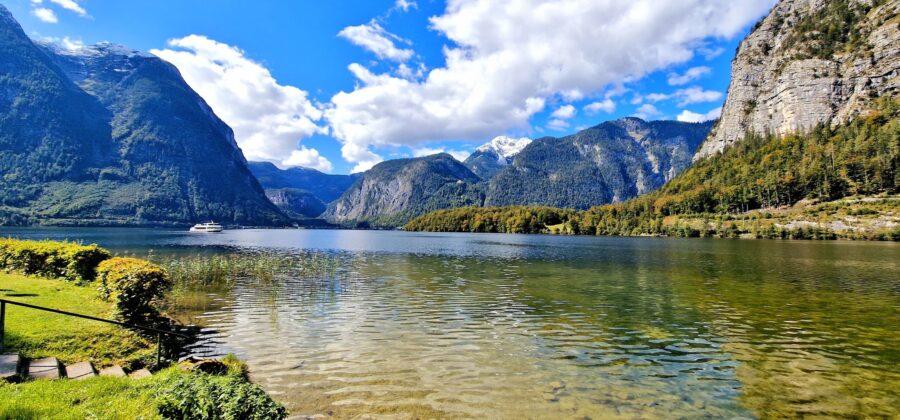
x: 608, y: 163
x: 296, y: 203
x: 394, y: 191
x: 810, y: 62
x: 488, y: 159
x: 105, y: 135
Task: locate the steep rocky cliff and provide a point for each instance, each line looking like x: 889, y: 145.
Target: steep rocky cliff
x: 810, y: 62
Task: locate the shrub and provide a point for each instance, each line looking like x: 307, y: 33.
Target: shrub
x: 132, y: 284
x: 66, y: 260
x: 203, y: 396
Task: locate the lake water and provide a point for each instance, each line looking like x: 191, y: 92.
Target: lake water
x: 417, y: 325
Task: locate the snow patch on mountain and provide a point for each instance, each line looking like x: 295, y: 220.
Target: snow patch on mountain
x: 504, y: 147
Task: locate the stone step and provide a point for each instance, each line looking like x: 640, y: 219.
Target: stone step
x: 140, y: 374
x: 80, y: 370
x: 115, y: 371
x: 9, y: 366
x: 46, y: 368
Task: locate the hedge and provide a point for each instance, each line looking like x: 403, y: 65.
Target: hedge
x: 132, y: 284
x: 66, y: 260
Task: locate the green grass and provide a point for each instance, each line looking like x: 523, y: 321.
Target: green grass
x: 34, y: 334
x: 100, y: 397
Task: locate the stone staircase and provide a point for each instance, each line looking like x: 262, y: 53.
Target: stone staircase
x: 14, y: 368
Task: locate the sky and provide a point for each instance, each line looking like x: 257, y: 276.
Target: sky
x: 342, y: 85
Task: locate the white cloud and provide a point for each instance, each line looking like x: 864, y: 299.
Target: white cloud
x: 658, y: 97
x: 695, y: 95
x: 688, y: 116
x: 459, y: 155
x: 647, y: 111
x: 506, y: 59
x: 375, y: 39
x: 309, y: 158
x: 557, y: 124
x: 405, y: 5
x: 268, y: 118
x: 691, y: 74
x: 687, y: 96
x: 564, y: 112
x: 45, y: 15
x: 70, y: 5
x: 607, y: 105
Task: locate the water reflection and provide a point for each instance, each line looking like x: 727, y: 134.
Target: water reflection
x: 426, y: 325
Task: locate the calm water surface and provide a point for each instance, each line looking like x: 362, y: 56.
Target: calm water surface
x: 513, y: 326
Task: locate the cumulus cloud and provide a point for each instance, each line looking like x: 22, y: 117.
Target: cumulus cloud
x: 309, y: 158
x: 607, y: 105
x: 506, y: 59
x: 688, y: 76
x: 375, y: 39
x: 688, y: 116
x: 269, y: 119
x: 45, y: 15
x: 564, y: 112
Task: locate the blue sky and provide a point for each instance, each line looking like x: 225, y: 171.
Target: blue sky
x: 341, y: 85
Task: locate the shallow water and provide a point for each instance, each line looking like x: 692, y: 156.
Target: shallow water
x: 506, y: 326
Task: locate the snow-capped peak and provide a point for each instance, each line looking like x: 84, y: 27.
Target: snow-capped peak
x: 505, y: 147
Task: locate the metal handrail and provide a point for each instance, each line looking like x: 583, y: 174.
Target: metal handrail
x: 158, y: 332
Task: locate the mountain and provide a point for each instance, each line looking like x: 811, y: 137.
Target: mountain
x: 325, y: 187
x: 807, y: 63
x: 608, y: 163
x: 297, y: 203
x: 300, y: 192
x: 105, y: 135
x: 488, y: 159
x: 394, y: 191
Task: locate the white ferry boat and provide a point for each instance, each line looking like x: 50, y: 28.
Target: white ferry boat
x: 210, y: 227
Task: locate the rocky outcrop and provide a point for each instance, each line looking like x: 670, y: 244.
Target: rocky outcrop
x: 810, y: 62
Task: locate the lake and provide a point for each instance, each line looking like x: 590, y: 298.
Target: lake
x: 515, y: 326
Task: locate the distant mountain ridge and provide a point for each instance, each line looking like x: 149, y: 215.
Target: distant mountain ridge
x: 109, y: 136
x: 611, y: 162
x: 608, y: 163
x: 300, y: 192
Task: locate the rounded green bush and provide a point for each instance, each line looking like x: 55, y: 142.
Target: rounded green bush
x: 132, y: 284
x: 66, y: 260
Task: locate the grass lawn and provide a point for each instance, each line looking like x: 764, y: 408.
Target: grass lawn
x: 100, y: 397
x: 34, y: 334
